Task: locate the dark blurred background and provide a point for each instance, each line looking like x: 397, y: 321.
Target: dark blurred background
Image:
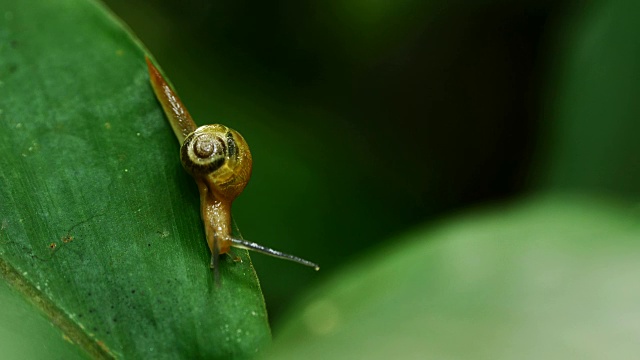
x: 367, y: 118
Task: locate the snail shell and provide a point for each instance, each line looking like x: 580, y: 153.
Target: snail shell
x: 220, y: 156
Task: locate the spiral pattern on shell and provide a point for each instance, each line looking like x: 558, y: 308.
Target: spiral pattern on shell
x: 207, y: 149
x: 219, y: 156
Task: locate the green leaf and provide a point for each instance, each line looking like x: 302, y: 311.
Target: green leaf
x: 99, y: 224
x: 551, y: 277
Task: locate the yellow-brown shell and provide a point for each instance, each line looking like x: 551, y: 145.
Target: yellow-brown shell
x: 220, y: 156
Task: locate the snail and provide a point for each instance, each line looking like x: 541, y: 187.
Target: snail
x: 219, y: 160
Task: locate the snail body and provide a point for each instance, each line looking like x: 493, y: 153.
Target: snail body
x: 220, y: 162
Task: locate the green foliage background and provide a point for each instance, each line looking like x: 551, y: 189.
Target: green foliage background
x: 421, y: 152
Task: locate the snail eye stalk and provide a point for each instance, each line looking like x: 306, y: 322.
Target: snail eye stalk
x: 248, y: 245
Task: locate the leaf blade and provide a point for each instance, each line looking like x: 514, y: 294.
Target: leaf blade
x: 90, y: 165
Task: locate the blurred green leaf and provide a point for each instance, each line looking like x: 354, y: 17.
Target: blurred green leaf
x: 592, y: 101
x: 99, y: 224
x: 550, y: 277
